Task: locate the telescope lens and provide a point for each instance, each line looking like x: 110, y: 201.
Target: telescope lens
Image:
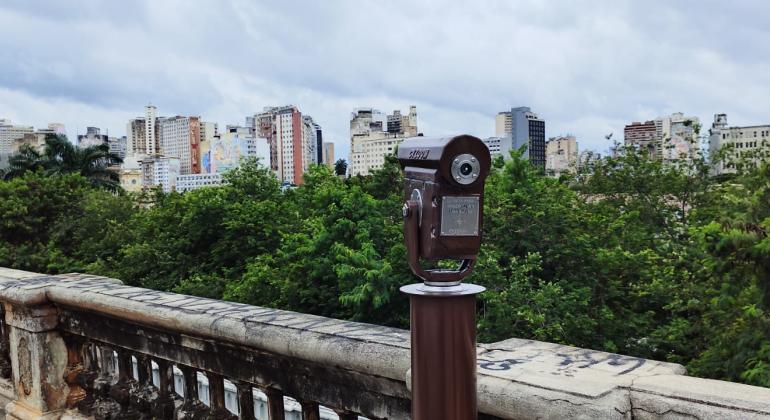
x: 466, y: 169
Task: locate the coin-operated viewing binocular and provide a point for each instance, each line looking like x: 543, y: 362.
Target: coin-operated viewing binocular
x: 444, y: 190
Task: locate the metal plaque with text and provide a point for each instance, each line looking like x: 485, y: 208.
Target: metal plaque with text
x: 459, y: 216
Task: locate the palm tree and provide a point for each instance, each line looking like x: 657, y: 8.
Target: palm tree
x: 62, y: 157
x: 340, y: 167
x: 26, y: 159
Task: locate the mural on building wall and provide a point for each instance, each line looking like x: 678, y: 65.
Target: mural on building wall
x: 226, y: 153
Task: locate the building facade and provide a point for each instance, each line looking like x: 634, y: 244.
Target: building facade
x: 328, y: 154
x: 679, y: 137
x: 522, y: 127
x: 503, y: 124
x: 180, y: 138
x: 93, y: 137
x: 151, y: 135
x: 10, y: 133
x: 292, y: 139
x: 130, y: 179
x: 374, y: 135
x: 730, y: 147
x: 160, y: 171
x: 561, y: 154
x: 228, y: 148
x: 195, y: 181
x: 494, y: 145
x: 642, y: 136
x: 673, y: 138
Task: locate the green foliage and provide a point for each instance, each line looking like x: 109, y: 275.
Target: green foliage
x: 630, y: 255
x: 62, y: 157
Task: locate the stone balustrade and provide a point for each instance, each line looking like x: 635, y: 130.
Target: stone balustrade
x: 75, y: 346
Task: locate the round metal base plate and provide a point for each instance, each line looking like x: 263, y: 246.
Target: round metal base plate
x: 461, y: 289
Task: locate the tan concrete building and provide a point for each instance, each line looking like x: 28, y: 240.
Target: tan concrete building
x: 328, y: 154
x: 180, y: 138
x: 130, y: 179
x: 503, y: 124
x: 561, y: 155
x: 374, y: 135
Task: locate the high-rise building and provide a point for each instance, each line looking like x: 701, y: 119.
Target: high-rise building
x: 521, y: 127
x: 9, y: 133
x: 371, y: 138
x: 731, y: 146
x: 160, y: 170
x: 292, y: 140
x: 231, y: 146
x: 670, y: 138
x: 136, y: 143
x: 642, y: 136
x: 180, y: 138
x: 309, y: 141
x: 319, y: 144
x: 150, y: 130
x: 561, y: 155
x: 679, y: 136
x: 118, y: 146
x: 328, y: 154
x: 503, y: 124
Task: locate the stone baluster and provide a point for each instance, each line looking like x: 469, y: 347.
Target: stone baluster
x: 104, y: 404
x: 192, y: 408
x: 121, y: 392
x: 275, y: 407
x: 80, y: 374
x: 164, y: 404
x: 245, y: 400
x: 310, y: 410
x: 39, y: 359
x: 217, y: 397
x: 144, y: 394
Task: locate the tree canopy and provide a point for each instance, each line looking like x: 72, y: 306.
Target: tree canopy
x: 629, y: 255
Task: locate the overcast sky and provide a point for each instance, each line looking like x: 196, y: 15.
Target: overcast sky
x: 587, y: 67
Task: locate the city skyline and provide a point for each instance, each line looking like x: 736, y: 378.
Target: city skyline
x: 588, y: 72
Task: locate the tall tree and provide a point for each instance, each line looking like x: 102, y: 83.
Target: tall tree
x: 340, y: 167
x: 62, y: 157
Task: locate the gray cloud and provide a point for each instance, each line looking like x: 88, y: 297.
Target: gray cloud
x: 586, y: 67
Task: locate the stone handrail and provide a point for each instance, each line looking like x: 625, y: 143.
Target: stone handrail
x: 61, y: 333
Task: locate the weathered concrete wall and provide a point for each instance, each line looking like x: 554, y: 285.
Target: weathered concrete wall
x: 518, y: 379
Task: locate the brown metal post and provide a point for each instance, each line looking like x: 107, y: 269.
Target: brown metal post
x: 443, y: 329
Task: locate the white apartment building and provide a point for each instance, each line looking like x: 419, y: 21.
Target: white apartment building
x: 195, y: 181
x: 150, y: 125
x: 160, y: 170
x: 728, y: 146
x: 180, y: 138
x: 561, y: 155
x: 10, y: 133
x: 679, y: 137
x: 374, y: 135
x: 494, y: 145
